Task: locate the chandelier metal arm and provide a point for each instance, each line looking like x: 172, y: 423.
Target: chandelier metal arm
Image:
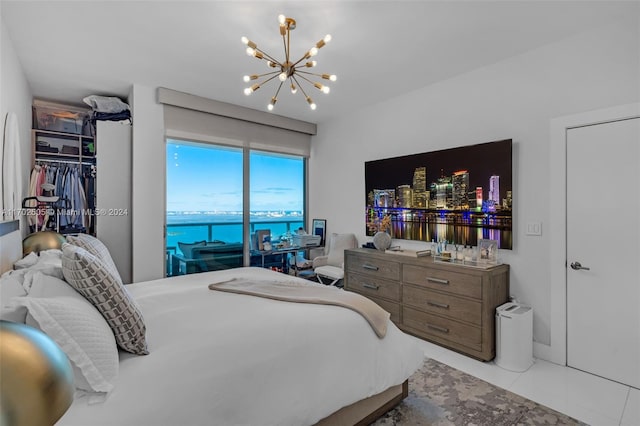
x: 299, y: 85
x: 266, y: 55
x: 278, y: 91
x: 267, y: 73
x: 309, y: 81
x: 299, y: 71
x: 305, y: 56
x: 285, y: 42
x: 269, y: 79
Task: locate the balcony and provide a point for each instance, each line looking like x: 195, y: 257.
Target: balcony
x: 225, y: 248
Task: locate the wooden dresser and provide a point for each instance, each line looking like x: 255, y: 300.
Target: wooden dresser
x: 452, y: 305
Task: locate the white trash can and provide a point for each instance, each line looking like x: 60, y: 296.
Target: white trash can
x: 514, y: 337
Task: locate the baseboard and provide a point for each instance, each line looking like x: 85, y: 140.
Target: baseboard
x: 542, y: 351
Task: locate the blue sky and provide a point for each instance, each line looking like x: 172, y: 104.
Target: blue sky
x: 200, y: 177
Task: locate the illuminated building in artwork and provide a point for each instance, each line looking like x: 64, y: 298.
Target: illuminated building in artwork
x: 494, y: 190
x: 460, y: 182
x: 478, y: 197
x: 405, y: 196
x: 443, y: 189
x: 507, y: 202
x: 384, y: 197
x: 420, y: 193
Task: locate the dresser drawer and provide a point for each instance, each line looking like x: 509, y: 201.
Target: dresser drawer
x: 367, y: 265
x: 444, y: 280
x: 442, y: 328
x: 372, y: 286
x: 442, y: 304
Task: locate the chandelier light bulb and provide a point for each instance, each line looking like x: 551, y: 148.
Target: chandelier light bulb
x: 333, y: 77
x: 311, y: 64
x: 271, y: 64
x: 272, y: 103
x: 246, y: 78
x: 313, y: 51
x: 248, y: 91
x: 312, y: 105
x: 294, y: 89
x: 282, y: 19
x: 282, y: 76
x: 324, y: 41
x: 248, y: 42
x: 326, y: 90
x: 250, y: 51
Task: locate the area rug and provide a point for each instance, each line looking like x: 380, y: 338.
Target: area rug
x: 441, y: 395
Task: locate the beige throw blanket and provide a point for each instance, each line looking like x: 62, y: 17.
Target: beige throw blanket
x: 292, y: 292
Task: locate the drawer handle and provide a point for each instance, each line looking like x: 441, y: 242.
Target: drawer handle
x: 438, y: 305
x: 371, y: 286
x: 437, y: 280
x: 370, y: 267
x: 437, y: 328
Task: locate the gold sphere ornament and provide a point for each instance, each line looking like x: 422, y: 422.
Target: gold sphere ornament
x: 36, y: 386
x: 43, y: 240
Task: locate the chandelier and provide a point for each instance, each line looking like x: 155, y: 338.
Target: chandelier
x: 294, y: 72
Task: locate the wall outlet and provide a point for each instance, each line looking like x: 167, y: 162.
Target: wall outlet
x: 534, y: 228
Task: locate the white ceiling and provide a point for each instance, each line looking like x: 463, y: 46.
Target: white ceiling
x: 380, y: 49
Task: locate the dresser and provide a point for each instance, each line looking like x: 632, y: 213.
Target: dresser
x: 451, y: 305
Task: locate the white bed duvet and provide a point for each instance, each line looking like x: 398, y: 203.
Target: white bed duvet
x: 228, y: 359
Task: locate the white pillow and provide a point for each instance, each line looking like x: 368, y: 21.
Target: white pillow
x: 48, y: 286
x: 27, y: 261
x: 82, y: 333
x: 10, y: 288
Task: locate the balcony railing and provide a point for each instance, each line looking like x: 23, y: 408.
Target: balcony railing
x: 227, y: 231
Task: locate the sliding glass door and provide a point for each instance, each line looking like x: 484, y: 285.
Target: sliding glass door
x: 205, y: 192
x: 204, y: 207
x: 276, y: 198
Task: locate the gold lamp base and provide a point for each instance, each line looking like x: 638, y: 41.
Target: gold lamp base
x: 43, y: 240
x: 37, y: 379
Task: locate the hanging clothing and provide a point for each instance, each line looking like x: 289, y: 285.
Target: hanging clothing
x: 73, y: 210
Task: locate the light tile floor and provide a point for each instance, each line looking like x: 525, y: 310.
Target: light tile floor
x: 588, y: 398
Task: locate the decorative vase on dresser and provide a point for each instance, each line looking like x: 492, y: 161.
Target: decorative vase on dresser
x: 382, y: 240
x: 451, y: 305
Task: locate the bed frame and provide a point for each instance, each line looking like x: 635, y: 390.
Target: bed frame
x: 367, y: 410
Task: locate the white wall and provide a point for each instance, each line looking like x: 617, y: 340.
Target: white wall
x: 15, y: 96
x: 516, y: 99
x: 148, y: 186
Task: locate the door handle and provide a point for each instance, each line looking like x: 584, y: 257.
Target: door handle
x: 576, y: 266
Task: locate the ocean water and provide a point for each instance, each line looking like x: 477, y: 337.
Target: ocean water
x: 227, y: 227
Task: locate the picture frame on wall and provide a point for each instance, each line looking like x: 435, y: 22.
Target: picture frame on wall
x: 488, y: 251
x: 319, y: 227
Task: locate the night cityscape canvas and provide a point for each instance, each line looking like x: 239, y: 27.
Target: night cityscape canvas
x: 459, y: 195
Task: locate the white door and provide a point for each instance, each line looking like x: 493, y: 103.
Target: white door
x: 603, y: 276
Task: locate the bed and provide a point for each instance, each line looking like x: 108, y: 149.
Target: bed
x: 233, y: 359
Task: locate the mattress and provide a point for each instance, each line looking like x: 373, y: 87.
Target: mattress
x: 232, y: 359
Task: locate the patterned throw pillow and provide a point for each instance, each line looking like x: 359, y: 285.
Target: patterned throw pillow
x: 99, y: 285
x: 96, y: 248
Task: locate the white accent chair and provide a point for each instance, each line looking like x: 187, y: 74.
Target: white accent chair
x: 330, y: 266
